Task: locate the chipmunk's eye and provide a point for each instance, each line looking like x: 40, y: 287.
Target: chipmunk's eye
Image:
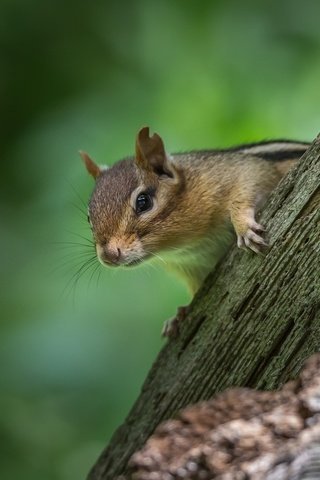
x: 143, y: 202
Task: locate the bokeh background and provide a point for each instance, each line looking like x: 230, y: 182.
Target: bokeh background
x: 74, y: 74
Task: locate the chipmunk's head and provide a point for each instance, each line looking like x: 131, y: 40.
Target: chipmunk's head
x: 132, y: 208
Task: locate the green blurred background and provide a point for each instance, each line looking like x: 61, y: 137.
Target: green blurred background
x: 87, y: 75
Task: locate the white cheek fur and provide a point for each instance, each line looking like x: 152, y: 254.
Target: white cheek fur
x: 99, y: 252
x: 133, y: 253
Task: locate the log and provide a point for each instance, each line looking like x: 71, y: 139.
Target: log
x: 252, y: 324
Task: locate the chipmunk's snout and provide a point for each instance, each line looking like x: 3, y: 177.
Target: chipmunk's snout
x: 120, y: 252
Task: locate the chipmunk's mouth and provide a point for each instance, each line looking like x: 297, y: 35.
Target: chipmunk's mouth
x: 107, y: 263
x: 122, y: 262
x: 135, y: 262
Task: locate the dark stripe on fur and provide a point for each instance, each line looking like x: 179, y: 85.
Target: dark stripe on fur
x: 245, y: 146
x: 299, y: 148
x: 281, y: 155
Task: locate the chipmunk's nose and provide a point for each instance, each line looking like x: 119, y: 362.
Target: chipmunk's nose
x: 109, y: 254
x: 113, y: 254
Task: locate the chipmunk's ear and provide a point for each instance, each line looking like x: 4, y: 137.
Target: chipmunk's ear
x: 151, y: 155
x: 92, y: 167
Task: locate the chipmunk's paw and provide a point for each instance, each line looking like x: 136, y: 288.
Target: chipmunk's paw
x: 171, y: 327
x: 251, y: 238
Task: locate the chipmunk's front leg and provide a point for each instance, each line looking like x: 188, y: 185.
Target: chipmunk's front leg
x: 248, y: 230
x: 248, y: 194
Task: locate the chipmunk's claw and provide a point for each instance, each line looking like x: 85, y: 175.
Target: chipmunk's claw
x: 251, y: 239
x: 171, y: 327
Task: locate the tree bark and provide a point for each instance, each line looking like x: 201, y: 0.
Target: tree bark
x: 253, y: 323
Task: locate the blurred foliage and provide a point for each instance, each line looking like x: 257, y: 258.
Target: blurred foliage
x: 87, y: 75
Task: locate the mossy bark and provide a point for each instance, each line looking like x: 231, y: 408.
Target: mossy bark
x: 254, y: 322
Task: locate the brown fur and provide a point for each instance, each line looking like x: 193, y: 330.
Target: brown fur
x: 197, y: 197
x: 109, y: 203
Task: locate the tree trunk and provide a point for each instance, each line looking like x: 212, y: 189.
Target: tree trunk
x: 253, y: 323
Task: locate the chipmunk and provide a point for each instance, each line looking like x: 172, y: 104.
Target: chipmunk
x: 185, y: 206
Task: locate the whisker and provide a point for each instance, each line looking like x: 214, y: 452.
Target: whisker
x: 88, y: 263
x: 152, y: 265
x: 98, y: 277
x: 174, y: 248
x: 95, y: 269
x: 76, y: 276
x: 76, y: 280
x: 159, y: 257
x: 74, y: 247
x: 74, y: 256
x: 77, y: 195
x: 82, y: 236
x: 147, y: 269
x: 71, y: 262
x: 83, y: 212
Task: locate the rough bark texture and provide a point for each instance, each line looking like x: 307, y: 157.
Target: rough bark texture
x: 254, y: 322
x: 241, y: 434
